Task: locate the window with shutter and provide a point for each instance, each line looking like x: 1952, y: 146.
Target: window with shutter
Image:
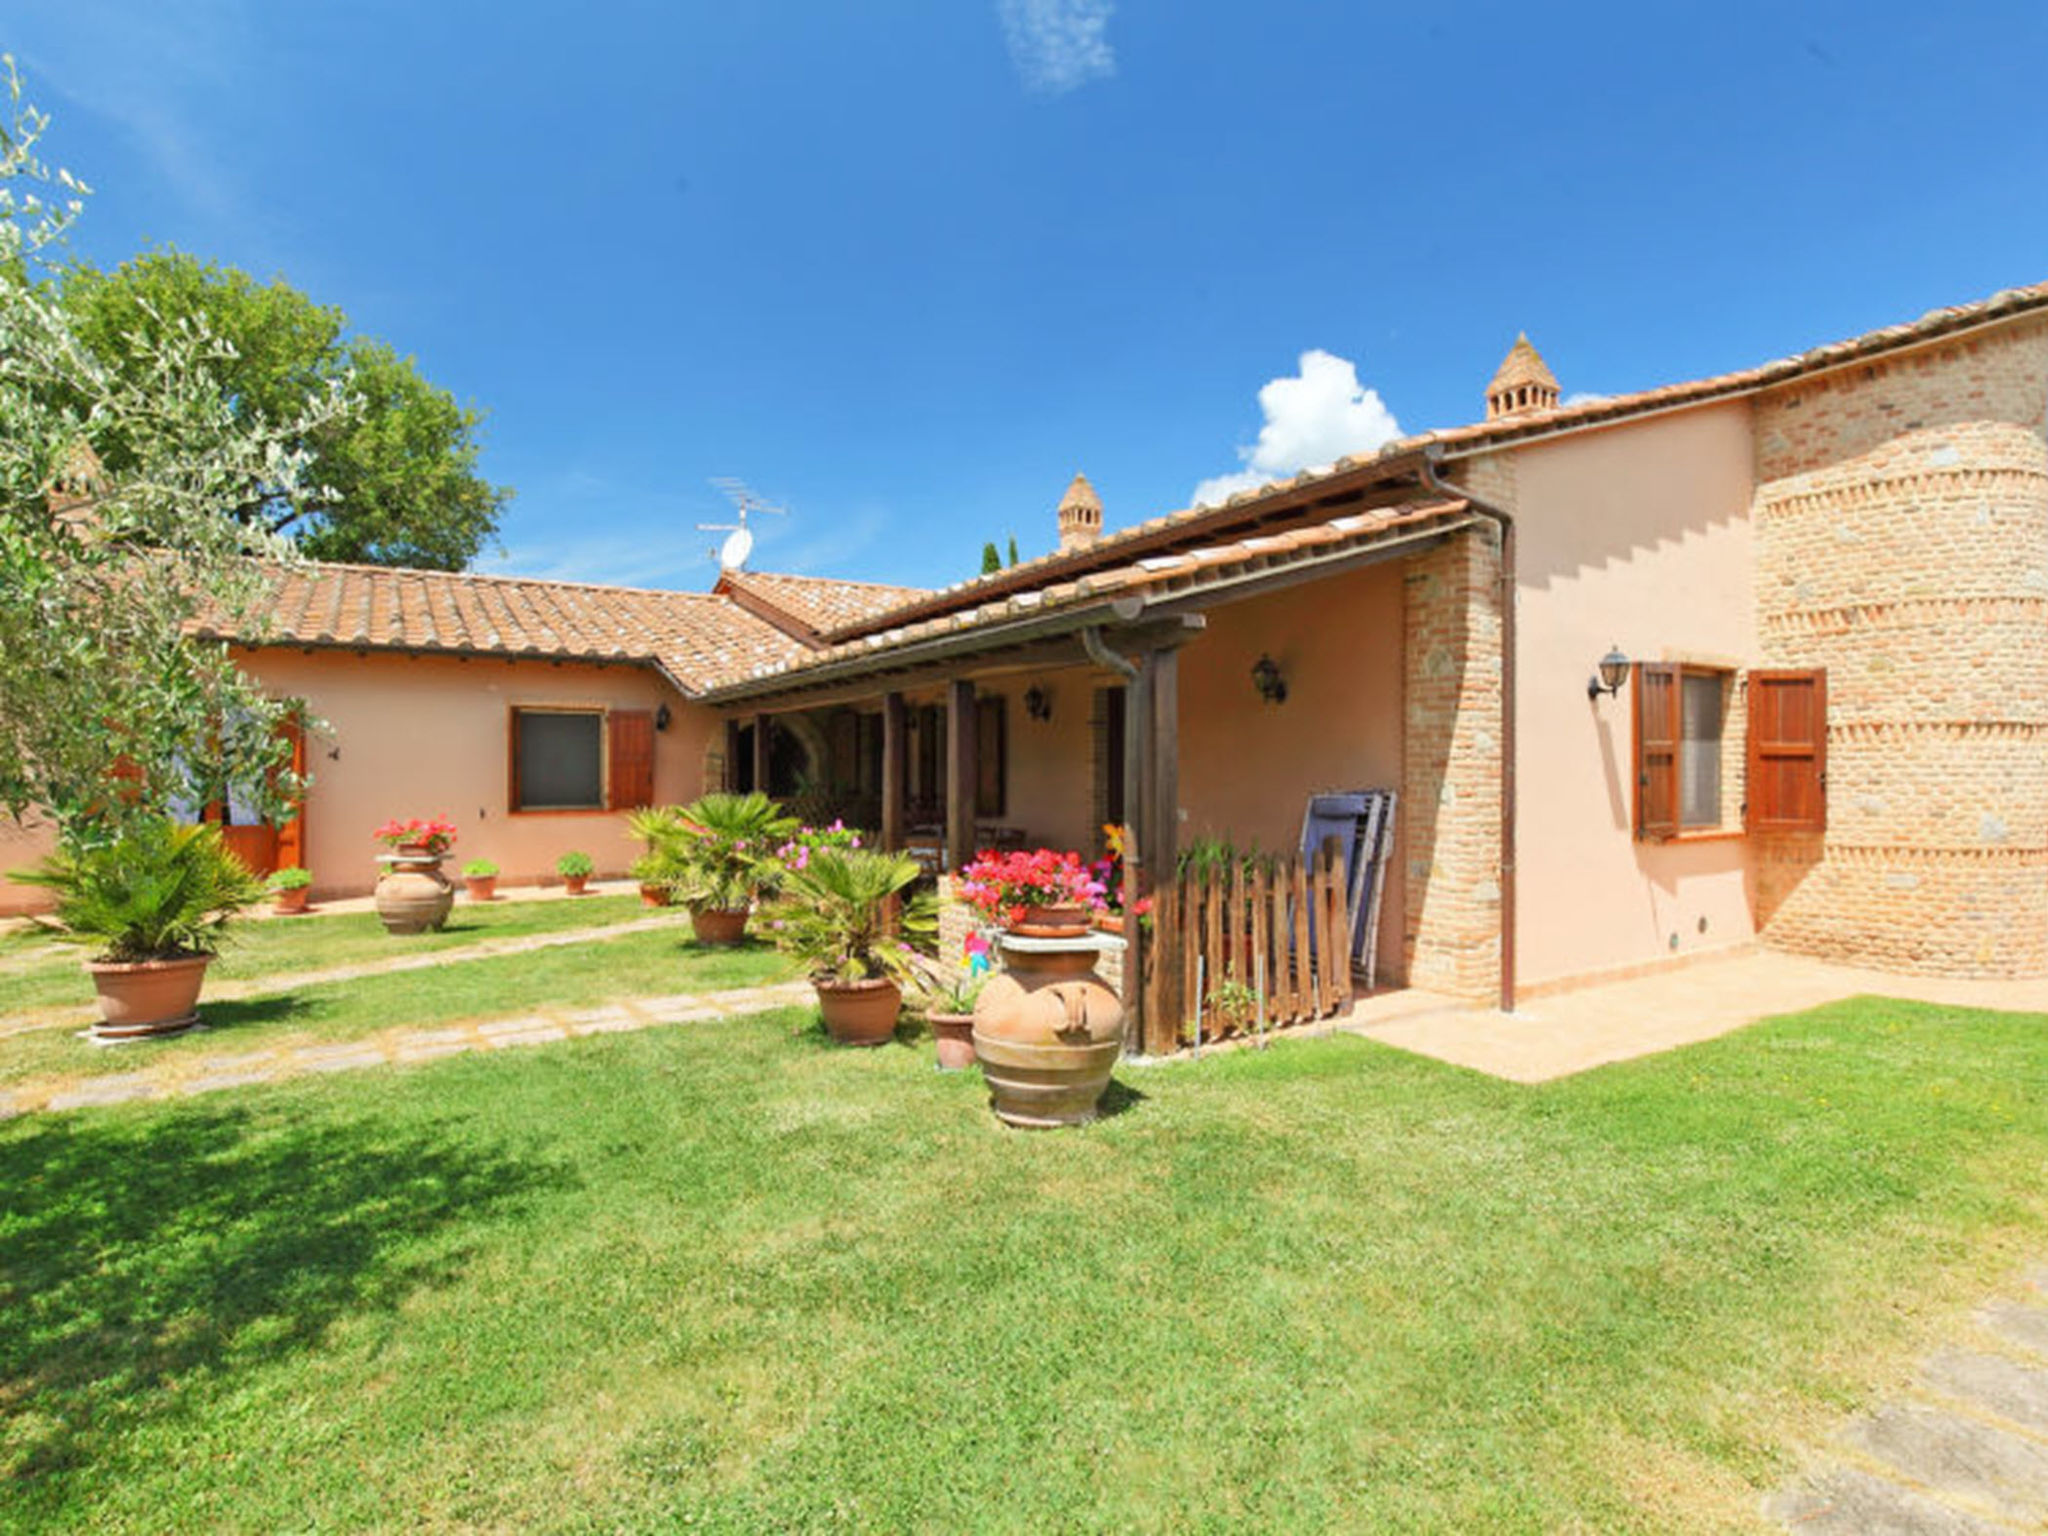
x: 558, y: 760
x: 1680, y: 715
x: 1656, y: 697
x: 1788, y: 751
x: 630, y: 746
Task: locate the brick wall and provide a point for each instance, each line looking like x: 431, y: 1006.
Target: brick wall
x: 1450, y: 779
x: 1902, y: 522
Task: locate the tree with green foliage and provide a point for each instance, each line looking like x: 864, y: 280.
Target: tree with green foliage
x: 991, y: 558
x: 393, y: 483
x: 1013, y: 549
x: 109, y: 559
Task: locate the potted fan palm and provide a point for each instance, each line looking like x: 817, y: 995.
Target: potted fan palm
x: 838, y: 916
x: 657, y: 826
x: 725, y: 849
x: 156, y: 901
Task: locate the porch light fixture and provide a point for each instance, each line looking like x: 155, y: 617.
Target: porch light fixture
x: 1037, y: 703
x: 662, y: 718
x: 1613, y: 673
x: 1267, y: 679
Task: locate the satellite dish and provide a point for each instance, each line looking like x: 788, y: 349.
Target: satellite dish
x: 739, y: 544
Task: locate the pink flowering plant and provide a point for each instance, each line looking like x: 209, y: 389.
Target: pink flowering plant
x: 1004, y: 887
x: 807, y: 840
x: 436, y: 836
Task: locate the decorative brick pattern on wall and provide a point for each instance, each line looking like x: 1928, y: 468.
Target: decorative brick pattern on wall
x: 1902, y: 523
x: 1450, y: 802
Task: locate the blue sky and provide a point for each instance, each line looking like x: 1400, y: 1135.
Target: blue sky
x: 906, y: 267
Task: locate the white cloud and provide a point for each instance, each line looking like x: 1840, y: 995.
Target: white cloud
x: 1584, y: 397
x: 1313, y: 418
x: 1058, y: 45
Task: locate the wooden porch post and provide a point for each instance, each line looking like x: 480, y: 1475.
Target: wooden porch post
x: 892, y: 771
x: 960, y: 773
x: 763, y: 724
x: 732, y: 755
x: 1139, y: 877
x: 1159, y: 838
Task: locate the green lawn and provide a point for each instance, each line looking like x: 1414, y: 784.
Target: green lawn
x: 36, y: 971
x: 657, y: 963
x: 724, y: 1275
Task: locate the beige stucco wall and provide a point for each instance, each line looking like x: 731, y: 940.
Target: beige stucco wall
x: 1247, y: 767
x: 1051, y: 786
x: 425, y: 736
x: 1639, y: 537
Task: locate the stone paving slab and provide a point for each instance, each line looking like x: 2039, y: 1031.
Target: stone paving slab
x: 2013, y: 1391
x: 1960, y: 1459
x: 354, y: 1061
x: 2017, y: 1323
x: 94, y: 1092
x: 215, y: 1081
x: 1847, y: 1502
x: 539, y: 1036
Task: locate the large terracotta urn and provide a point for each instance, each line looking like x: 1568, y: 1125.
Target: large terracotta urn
x: 1047, y: 1031
x: 413, y: 896
x: 144, y: 998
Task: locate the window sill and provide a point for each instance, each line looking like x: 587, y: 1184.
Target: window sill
x: 565, y: 810
x: 1702, y: 835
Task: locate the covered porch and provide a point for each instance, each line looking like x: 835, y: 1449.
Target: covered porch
x: 1198, y: 701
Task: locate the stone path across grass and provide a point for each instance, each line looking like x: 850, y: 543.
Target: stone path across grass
x: 1965, y: 1453
x: 186, y: 1076
x: 262, y: 986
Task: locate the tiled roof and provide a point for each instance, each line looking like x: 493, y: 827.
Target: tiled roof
x: 698, y: 639
x: 1396, y: 459
x: 817, y: 603
x: 1156, y: 579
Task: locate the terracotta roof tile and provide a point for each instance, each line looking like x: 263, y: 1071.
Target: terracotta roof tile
x: 818, y: 603
x: 698, y: 639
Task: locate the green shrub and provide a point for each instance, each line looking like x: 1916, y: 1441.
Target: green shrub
x: 479, y: 869
x: 292, y: 878
x: 574, y: 865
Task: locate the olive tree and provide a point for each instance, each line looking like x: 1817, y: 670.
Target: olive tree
x: 110, y: 697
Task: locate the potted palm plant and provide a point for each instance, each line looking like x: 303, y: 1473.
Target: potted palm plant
x: 657, y: 827
x: 838, y: 916
x: 725, y: 850
x: 156, y: 900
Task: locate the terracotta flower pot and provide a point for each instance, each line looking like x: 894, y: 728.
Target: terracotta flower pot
x: 1109, y: 922
x: 578, y: 885
x: 148, y: 997
x: 1047, y: 1032
x: 954, y: 1033
x: 481, y: 887
x: 1061, y: 921
x: 413, y: 896
x: 715, y: 925
x: 654, y: 896
x: 291, y: 903
x: 860, y: 1012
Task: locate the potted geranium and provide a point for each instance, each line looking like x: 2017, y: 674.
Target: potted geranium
x: 947, y: 995
x: 290, y: 889
x: 834, y: 915
x: 413, y: 896
x: 480, y: 878
x: 1036, y: 894
x: 156, y: 901
x: 723, y: 848
x: 575, y: 869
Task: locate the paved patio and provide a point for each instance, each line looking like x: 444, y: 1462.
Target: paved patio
x: 1569, y: 1032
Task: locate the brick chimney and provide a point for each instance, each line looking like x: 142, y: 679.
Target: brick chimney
x: 1080, y: 515
x: 1524, y: 383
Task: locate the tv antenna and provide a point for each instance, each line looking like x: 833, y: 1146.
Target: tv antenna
x: 739, y: 538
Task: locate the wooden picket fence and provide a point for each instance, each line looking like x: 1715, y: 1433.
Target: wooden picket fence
x: 1280, y: 929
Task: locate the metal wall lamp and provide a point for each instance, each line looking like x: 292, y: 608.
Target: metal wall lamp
x: 1267, y: 679
x: 662, y: 718
x: 1037, y: 703
x: 1613, y: 673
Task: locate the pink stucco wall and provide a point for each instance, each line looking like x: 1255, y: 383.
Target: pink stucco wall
x: 423, y: 736
x: 1639, y: 537
x: 1247, y: 767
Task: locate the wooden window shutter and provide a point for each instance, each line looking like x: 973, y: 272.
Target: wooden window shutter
x: 1657, y: 731
x: 1788, y: 751
x: 990, y: 785
x: 629, y: 745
